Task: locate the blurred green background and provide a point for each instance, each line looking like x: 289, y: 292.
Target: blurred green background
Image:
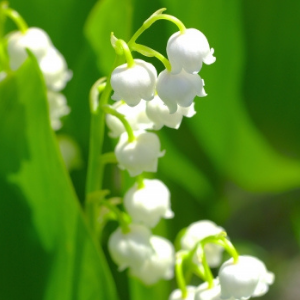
x: 236, y: 162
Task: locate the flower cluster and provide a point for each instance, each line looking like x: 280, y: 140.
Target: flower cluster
x: 149, y: 257
x: 239, y: 278
x: 51, y: 62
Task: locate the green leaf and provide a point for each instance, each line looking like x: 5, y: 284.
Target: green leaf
x: 222, y: 126
x: 47, y: 251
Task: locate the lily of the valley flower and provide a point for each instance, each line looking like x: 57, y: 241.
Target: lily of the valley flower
x: 246, y: 278
x: 198, y: 231
x: 35, y: 39
x: 188, y: 50
x: 147, y: 205
x: 159, y: 113
x: 136, y: 117
x: 177, y: 294
x: 140, y: 155
x: 132, y: 84
x: 203, y: 292
x: 130, y: 249
x: 57, y: 108
x: 179, y: 89
x: 159, y: 265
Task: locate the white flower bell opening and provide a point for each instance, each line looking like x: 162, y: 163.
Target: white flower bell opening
x: 130, y: 249
x: 35, y: 39
x: 244, y: 279
x: 138, y: 156
x: 159, y: 113
x: 177, y: 294
x: 149, y: 204
x: 159, y: 265
x: 136, y: 117
x: 188, y: 50
x: 132, y: 84
x: 198, y: 231
x: 179, y: 89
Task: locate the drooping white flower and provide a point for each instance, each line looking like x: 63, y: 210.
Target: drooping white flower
x: 159, y: 113
x: 148, y: 204
x: 130, y: 249
x: 138, y: 156
x: 55, y: 70
x: 136, y: 117
x: 179, y: 89
x: 57, y: 108
x: 35, y: 39
x: 2, y: 75
x: 159, y: 265
x: 188, y: 50
x: 198, y: 231
x: 177, y: 294
x: 244, y: 279
x: 132, y: 84
x: 205, y: 293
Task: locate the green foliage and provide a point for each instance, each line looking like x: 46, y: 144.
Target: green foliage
x: 236, y: 161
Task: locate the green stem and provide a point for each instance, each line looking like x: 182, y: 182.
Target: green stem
x: 126, y: 51
x: 14, y: 16
x: 180, y: 257
x: 140, y: 181
x: 119, y: 215
x: 95, y: 171
x: 109, y: 110
x: 147, y: 51
x: 153, y: 18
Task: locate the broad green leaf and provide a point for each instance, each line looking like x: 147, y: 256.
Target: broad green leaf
x: 223, y: 126
x: 47, y: 251
x: 107, y: 17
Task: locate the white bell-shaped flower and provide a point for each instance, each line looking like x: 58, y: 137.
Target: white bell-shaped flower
x: 179, y: 89
x: 198, y: 231
x: 130, y: 249
x: 149, y: 204
x: 138, y: 156
x: 57, y: 108
x: 159, y: 265
x: 55, y: 70
x: 35, y: 39
x: 136, y: 117
x: 205, y: 293
x: 177, y: 294
x: 132, y: 84
x: 188, y: 50
x: 244, y: 279
x: 160, y: 115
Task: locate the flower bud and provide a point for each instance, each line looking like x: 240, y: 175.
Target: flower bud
x: 246, y: 278
x: 138, y: 156
x: 159, y: 113
x: 198, y: 231
x: 188, y: 50
x: 35, y: 39
x: 130, y: 249
x: 136, y: 117
x: 159, y: 265
x: 179, y: 89
x: 149, y: 204
x: 132, y: 84
x: 177, y: 294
